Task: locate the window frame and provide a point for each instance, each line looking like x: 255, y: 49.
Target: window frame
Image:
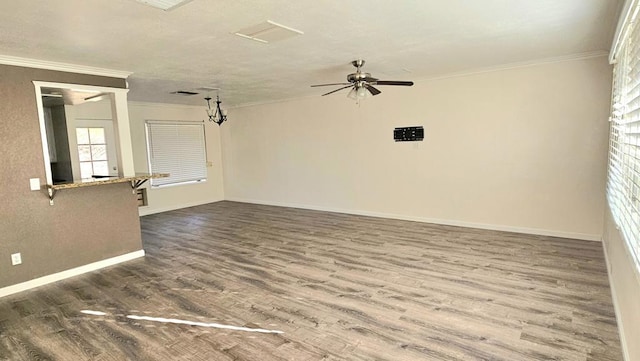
x: 178, y: 175
x: 623, y: 173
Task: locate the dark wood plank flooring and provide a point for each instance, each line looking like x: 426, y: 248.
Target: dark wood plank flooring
x: 339, y: 287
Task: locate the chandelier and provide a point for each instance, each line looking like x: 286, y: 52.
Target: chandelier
x: 216, y: 115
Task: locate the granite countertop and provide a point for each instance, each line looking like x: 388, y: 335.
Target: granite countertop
x: 88, y: 182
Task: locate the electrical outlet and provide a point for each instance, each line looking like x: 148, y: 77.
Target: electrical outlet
x: 16, y: 259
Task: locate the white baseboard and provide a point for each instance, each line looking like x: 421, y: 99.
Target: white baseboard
x: 446, y: 222
x: 41, y: 281
x: 614, y: 296
x: 147, y: 210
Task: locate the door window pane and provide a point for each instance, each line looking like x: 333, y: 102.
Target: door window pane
x: 84, y: 153
x: 86, y: 170
x: 97, y: 135
x: 100, y: 168
x: 99, y: 152
x: 82, y: 135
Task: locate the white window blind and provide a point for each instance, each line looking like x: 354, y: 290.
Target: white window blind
x: 177, y: 148
x: 623, y: 184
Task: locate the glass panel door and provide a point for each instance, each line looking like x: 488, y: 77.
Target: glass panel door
x: 96, y: 148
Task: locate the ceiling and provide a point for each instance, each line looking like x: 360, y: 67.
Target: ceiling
x: 194, y: 45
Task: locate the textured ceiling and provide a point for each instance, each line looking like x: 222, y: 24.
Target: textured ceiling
x: 194, y: 46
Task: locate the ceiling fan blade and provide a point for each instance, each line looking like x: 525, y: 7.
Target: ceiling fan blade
x: 372, y: 90
x: 370, y: 79
x: 393, y: 82
x: 317, y: 85
x: 331, y: 92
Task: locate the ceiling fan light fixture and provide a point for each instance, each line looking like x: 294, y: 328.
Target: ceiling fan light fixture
x: 362, y: 84
x: 362, y: 92
x: 358, y: 93
x: 352, y: 94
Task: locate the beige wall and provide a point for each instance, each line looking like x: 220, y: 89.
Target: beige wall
x: 174, y: 197
x: 85, y: 225
x: 520, y: 149
x: 624, y: 278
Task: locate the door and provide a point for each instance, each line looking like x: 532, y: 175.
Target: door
x: 96, y: 148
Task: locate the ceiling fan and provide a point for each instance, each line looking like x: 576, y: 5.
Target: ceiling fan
x: 362, y: 83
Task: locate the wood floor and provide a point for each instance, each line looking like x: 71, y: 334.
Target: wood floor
x: 339, y: 287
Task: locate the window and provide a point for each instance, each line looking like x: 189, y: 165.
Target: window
x: 177, y: 148
x: 623, y: 184
x: 92, y: 151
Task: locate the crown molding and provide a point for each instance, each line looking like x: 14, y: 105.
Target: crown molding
x: 66, y: 67
x: 137, y: 103
x: 522, y: 64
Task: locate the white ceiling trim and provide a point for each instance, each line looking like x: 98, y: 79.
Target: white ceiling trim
x: 524, y: 64
x: 66, y: 67
x: 135, y: 103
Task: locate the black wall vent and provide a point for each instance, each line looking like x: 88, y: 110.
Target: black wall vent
x: 408, y: 134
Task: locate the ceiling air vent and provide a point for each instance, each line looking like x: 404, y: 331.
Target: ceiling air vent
x: 268, y: 32
x: 185, y: 93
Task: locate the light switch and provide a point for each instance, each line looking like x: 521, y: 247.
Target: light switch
x: 35, y: 184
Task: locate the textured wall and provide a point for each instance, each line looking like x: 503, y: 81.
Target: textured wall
x: 85, y: 225
x: 520, y: 149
